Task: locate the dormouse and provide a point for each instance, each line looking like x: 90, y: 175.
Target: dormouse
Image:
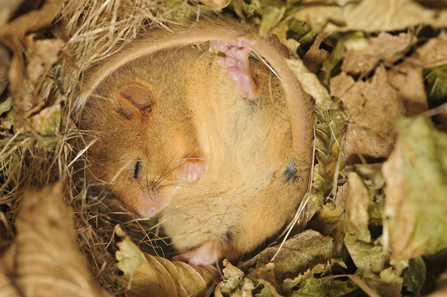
x: 205, y: 128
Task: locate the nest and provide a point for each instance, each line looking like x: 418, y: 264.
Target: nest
x: 38, y: 135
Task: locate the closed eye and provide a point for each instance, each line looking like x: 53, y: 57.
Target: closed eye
x: 137, y: 169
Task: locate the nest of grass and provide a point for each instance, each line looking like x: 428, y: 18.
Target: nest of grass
x: 85, y: 32
x: 38, y: 134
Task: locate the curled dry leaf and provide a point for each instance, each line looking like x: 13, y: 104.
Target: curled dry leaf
x: 146, y: 275
x: 367, y: 255
x: 415, y: 177
x: 46, y: 260
x: 42, y: 54
x: 291, y: 44
x: 356, y: 219
x: 433, y: 53
x: 13, y: 36
x: 47, y: 121
x: 374, y: 106
x: 315, y: 56
x: 362, y: 206
x: 5, y: 61
x: 234, y: 282
x: 271, y: 16
x: 371, y: 15
x: 385, y: 47
x: 310, y: 83
x: 308, y: 283
x: 7, y: 288
x: 304, y: 250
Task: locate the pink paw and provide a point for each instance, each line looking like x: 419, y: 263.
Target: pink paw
x: 236, y: 62
x: 190, y: 171
x: 206, y: 254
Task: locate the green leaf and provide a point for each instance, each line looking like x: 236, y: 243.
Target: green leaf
x: 414, y: 275
x: 416, y: 200
x: 323, y: 288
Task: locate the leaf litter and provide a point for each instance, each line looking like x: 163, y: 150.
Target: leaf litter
x: 383, y: 234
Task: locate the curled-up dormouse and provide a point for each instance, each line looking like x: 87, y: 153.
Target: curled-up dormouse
x: 216, y: 143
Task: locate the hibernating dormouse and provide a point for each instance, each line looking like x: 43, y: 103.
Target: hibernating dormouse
x: 216, y: 144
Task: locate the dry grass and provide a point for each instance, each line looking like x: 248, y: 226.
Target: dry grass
x: 92, y: 30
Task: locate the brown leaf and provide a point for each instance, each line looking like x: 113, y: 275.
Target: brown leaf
x: 310, y: 83
x: 144, y: 274
x: 47, y: 260
x: 7, y: 273
x: 281, y: 32
x: 304, y: 250
x: 357, y: 208
x: 432, y: 53
x: 5, y: 61
x: 370, y: 15
x: 385, y: 47
x: 407, y: 79
x: 315, y: 56
x: 374, y: 106
x: 42, y: 54
x: 234, y: 281
x: 13, y: 35
x: 342, y: 195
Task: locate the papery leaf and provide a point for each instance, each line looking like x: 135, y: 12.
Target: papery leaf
x: 146, y: 275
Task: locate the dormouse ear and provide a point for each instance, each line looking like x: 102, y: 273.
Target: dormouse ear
x: 135, y: 98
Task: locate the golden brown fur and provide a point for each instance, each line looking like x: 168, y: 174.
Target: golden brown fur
x: 223, y: 173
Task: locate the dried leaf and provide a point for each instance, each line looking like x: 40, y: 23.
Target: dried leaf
x: 370, y: 15
x: 47, y: 260
x: 8, y: 8
x: 144, y: 274
x: 42, y: 54
x: 5, y: 61
x: 310, y: 83
x: 363, y: 285
x: 292, y: 45
x: 385, y: 47
x: 374, y: 106
x: 354, y: 40
x: 271, y: 17
x: 7, y: 288
x: 371, y: 176
x: 315, y: 56
x: 47, y: 122
x: 319, y: 269
x: 5, y: 105
x: 304, y: 250
x: 323, y: 287
x: 433, y: 52
x: 361, y: 207
x: 357, y: 218
x: 234, y: 283
x: 415, y: 176
x: 13, y: 35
